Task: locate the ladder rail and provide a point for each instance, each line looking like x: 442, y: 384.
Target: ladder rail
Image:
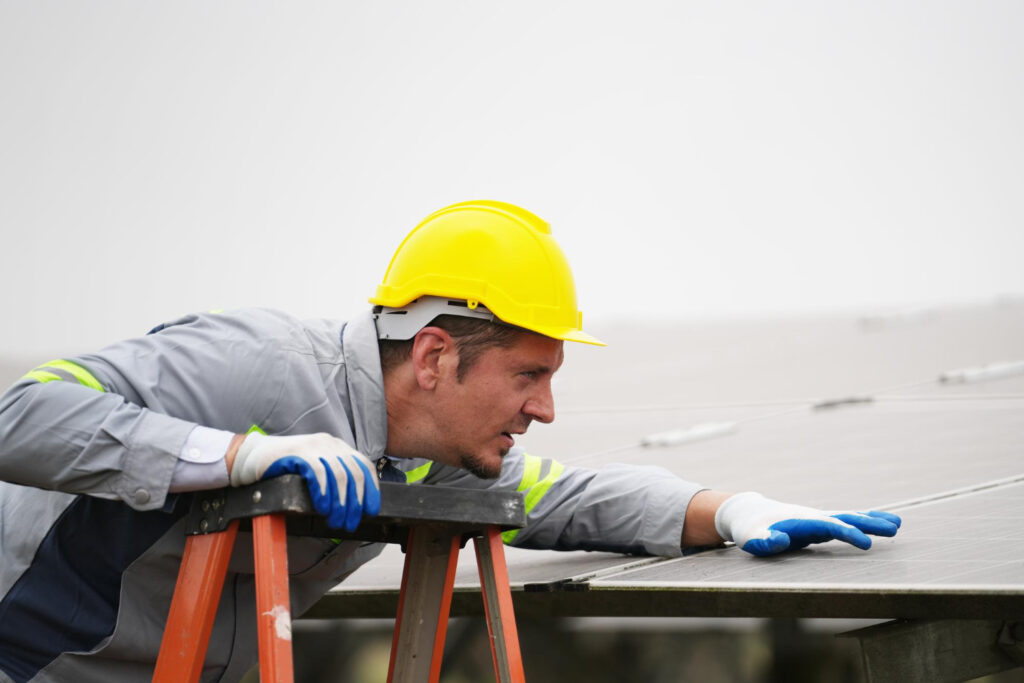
x: 497, y: 594
x: 204, y: 566
x: 273, y: 603
x: 425, y: 599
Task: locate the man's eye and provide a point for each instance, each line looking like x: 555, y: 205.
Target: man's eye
x: 529, y: 374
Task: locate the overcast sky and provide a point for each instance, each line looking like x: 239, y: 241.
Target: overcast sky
x: 694, y: 159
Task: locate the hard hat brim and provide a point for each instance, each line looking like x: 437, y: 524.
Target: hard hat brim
x: 570, y: 335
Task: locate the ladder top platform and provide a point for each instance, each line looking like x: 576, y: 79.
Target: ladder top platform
x: 401, y: 505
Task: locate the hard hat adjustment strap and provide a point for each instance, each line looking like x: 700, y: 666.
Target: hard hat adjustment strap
x: 403, y: 323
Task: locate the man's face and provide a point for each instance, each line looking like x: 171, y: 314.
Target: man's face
x: 503, y: 392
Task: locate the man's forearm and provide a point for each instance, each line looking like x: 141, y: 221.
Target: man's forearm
x: 699, y: 527
x: 64, y: 436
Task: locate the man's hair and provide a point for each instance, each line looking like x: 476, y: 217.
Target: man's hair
x: 472, y: 337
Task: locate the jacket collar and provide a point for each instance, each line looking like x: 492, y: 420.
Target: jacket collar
x: 365, y: 383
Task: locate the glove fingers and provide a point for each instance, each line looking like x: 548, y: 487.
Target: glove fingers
x: 888, y: 516
x: 316, y: 479
x: 371, y: 491
x: 803, y: 532
x: 362, y: 493
x: 776, y: 542
x: 870, y: 523
x: 354, y: 489
x: 338, y: 500
x: 357, y: 475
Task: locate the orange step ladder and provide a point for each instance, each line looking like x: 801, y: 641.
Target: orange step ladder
x: 431, y: 522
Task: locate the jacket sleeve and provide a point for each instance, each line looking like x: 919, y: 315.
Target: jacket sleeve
x: 112, y: 424
x: 619, y: 508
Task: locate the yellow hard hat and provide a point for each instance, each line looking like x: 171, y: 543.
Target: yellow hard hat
x: 489, y: 254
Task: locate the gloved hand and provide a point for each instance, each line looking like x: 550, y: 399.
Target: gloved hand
x: 340, y: 478
x: 762, y: 526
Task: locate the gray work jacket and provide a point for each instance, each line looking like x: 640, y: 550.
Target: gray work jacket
x: 91, y: 540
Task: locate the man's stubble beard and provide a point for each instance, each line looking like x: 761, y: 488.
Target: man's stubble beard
x: 474, y: 465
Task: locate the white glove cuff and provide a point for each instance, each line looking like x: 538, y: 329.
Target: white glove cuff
x: 736, y: 507
x: 245, y: 470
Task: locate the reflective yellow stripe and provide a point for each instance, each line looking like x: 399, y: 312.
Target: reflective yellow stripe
x: 42, y: 376
x: 536, y: 491
x: 531, y: 472
x: 256, y: 428
x: 417, y: 474
x: 83, y: 376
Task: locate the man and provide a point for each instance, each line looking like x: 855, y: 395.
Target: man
x: 100, y: 451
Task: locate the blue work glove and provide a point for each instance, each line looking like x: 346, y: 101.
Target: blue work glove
x: 762, y: 526
x: 340, y: 478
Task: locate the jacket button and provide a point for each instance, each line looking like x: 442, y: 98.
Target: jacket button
x: 141, y: 497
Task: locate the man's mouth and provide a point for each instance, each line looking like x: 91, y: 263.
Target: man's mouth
x: 510, y: 436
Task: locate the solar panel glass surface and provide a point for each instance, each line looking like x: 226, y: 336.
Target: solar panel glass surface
x: 918, y: 446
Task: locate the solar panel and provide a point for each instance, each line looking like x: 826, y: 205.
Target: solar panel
x: 961, y: 556
x: 860, y: 456
x: 947, y: 456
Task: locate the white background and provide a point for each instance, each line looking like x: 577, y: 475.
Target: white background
x: 695, y: 159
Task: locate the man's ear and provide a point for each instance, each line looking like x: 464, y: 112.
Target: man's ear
x: 433, y: 356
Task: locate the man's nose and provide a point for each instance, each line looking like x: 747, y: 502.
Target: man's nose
x: 541, y: 406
